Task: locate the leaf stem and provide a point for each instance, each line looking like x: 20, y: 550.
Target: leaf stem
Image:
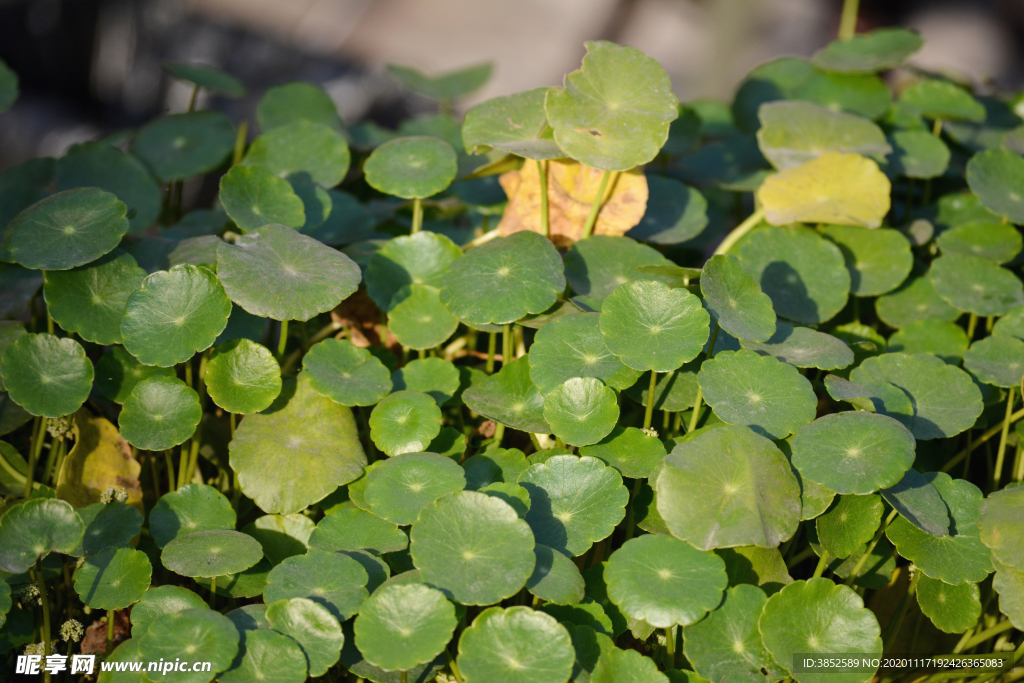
x: 739, y: 231
x: 492, y: 341
x: 695, y: 417
x: 1001, y: 453
x: 968, y: 643
x: 172, y: 484
x: 871, y: 546
x: 542, y: 172
x: 110, y: 632
x: 482, y: 239
x: 937, y: 128
x: 41, y: 585
x: 670, y: 647
x: 417, y: 215
x: 405, y: 677
x: 282, y: 340
x: 240, y: 138
x: 650, y: 400
x: 892, y: 629
x: 1014, y: 659
x: 630, y: 515
x: 454, y: 667
x: 595, y: 208
x: 848, y: 20
x: 195, y: 96
x: 506, y: 344
x: 213, y: 593
x: 988, y: 434
x: 33, y: 457
x: 822, y: 563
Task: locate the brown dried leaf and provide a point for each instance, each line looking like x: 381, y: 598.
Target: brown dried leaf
x: 99, y: 460
x: 95, y: 641
x: 572, y: 188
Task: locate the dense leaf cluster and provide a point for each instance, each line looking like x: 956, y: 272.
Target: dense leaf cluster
x: 466, y: 401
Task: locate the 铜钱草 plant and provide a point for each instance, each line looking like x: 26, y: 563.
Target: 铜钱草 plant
x: 470, y: 401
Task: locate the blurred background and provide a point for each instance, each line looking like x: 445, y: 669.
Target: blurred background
x: 91, y: 67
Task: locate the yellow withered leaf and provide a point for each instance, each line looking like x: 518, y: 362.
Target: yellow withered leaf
x: 841, y: 189
x: 572, y: 188
x: 100, y: 459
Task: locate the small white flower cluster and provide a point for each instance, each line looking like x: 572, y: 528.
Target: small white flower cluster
x: 38, y: 649
x: 60, y: 427
x: 72, y: 630
x: 114, y: 493
x: 30, y: 595
x: 650, y: 431
x: 442, y: 677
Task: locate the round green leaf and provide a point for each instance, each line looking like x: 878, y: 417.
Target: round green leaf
x: 727, y: 646
x: 747, y: 492
x: 936, y: 337
x: 804, y: 348
x: 582, y: 410
x: 68, y: 229
x: 420, y: 259
x: 992, y: 291
x: 915, y: 300
x: 594, y: 267
x: 803, y: 273
x: 34, y: 528
x: 207, y: 78
x: 555, y: 579
x: 919, y: 503
x: 769, y: 396
x: 794, y: 132
x: 474, y: 547
x: 515, y: 645
x: 997, y: 360
x: 345, y: 373
x: 572, y: 346
x: 296, y: 101
x: 509, y: 397
x: 405, y: 484
x: 917, y: 154
x: 436, y: 377
x: 243, y: 377
x: 315, y: 629
x: 735, y: 300
x: 107, y: 525
x: 631, y: 451
x: 183, y: 145
x: 878, y: 260
x: 281, y: 536
x: 269, y: 657
x: 937, y: 99
x: 995, y: 176
x: 651, y: 326
x: 961, y: 556
x: 999, y: 242
x: 192, y: 508
x: 418, y: 319
x: 849, y: 524
x: 952, y: 609
x: 664, y: 581
x: 302, y: 148
x: 332, y: 580
x: 1000, y: 527
x: 160, y: 413
x: 194, y: 635
x: 516, y: 124
x: 1011, y: 324
x: 159, y: 601
x: 355, y: 529
x: 296, y: 452
x: 945, y: 400
x: 853, y: 452
x: 675, y: 213
x: 254, y: 197
x: 113, y: 579
x: 404, y: 422
x: 211, y: 553
x: 574, y: 502
x: 101, y: 165
x: 817, y: 616
x: 1009, y: 583
x: 877, y: 50
x: 503, y: 280
x: 626, y: 666
x: 90, y: 299
x: 309, y: 277
x: 401, y: 626
x: 614, y: 112
x: 174, y: 314
x: 411, y: 168
x: 446, y: 87
x: 46, y: 375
